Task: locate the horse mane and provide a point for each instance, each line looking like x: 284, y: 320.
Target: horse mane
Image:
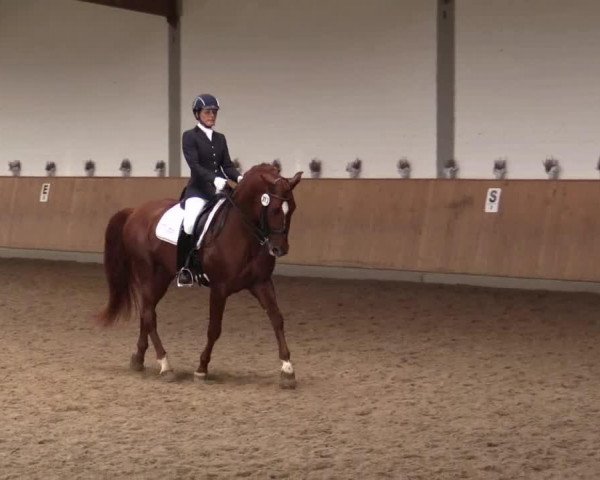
x: 263, y: 168
x: 253, y: 181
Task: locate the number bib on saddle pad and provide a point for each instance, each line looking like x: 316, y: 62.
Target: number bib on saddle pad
x: 169, y: 225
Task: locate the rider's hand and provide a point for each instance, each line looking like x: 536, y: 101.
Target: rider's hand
x: 240, y: 178
x: 219, y: 183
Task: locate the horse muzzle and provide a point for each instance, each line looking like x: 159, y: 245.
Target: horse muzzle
x: 276, y: 251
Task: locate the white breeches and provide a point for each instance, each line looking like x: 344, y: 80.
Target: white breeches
x: 193, y: 206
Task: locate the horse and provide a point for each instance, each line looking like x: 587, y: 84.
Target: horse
x: 248, y: 233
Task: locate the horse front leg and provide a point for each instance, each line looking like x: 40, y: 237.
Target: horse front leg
x: 265, y: 293
x: 217, y: 307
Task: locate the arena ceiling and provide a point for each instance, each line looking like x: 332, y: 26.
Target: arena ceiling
x: 164, y: 8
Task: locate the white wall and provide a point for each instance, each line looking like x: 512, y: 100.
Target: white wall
x: 333, y: 79
x: 81, y: 81
x: 527, y: 86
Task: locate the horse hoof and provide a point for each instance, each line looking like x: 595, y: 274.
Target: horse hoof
x: 136, y: 364
x: 200, y: 376
x: 287, y: 380
x: 168, y: 376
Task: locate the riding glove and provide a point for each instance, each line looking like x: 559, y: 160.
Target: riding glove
x: 219, y: 183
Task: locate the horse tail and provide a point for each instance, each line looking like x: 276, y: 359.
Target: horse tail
x: 117, y: 268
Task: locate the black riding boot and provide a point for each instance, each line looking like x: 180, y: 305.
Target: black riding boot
x: 185, y: 244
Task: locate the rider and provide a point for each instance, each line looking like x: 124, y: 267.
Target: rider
x: 206, y: 153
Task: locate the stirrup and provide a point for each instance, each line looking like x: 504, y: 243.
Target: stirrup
x: 189, y: 281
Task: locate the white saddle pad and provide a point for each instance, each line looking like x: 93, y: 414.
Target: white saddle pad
x: 169, y: 225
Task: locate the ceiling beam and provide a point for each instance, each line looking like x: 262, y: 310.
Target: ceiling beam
x: 164, y: 8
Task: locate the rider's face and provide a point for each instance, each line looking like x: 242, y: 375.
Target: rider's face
x: 208, y: 117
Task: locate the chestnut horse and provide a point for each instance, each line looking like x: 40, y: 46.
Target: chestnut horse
x: 239, y: 251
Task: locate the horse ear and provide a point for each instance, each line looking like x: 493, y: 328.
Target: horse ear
x: 296, y: 180
x: 267, y: 177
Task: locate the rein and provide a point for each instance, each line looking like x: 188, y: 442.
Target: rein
x: 259, y: 234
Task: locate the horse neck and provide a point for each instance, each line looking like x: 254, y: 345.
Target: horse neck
x: 244, y: 200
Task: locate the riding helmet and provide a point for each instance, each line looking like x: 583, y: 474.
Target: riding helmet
x: 205, y: 100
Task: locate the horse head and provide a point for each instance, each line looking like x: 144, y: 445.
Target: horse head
x: 269, y: 200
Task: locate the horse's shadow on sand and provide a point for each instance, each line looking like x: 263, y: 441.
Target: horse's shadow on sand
x: 185, y: 377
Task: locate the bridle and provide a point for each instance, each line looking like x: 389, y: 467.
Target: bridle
x: 264, y: 224
x: 262, y: 232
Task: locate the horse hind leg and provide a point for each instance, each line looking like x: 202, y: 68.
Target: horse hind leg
x: 166, y: 372
x: 137, y: 359
x: 151, y: 294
